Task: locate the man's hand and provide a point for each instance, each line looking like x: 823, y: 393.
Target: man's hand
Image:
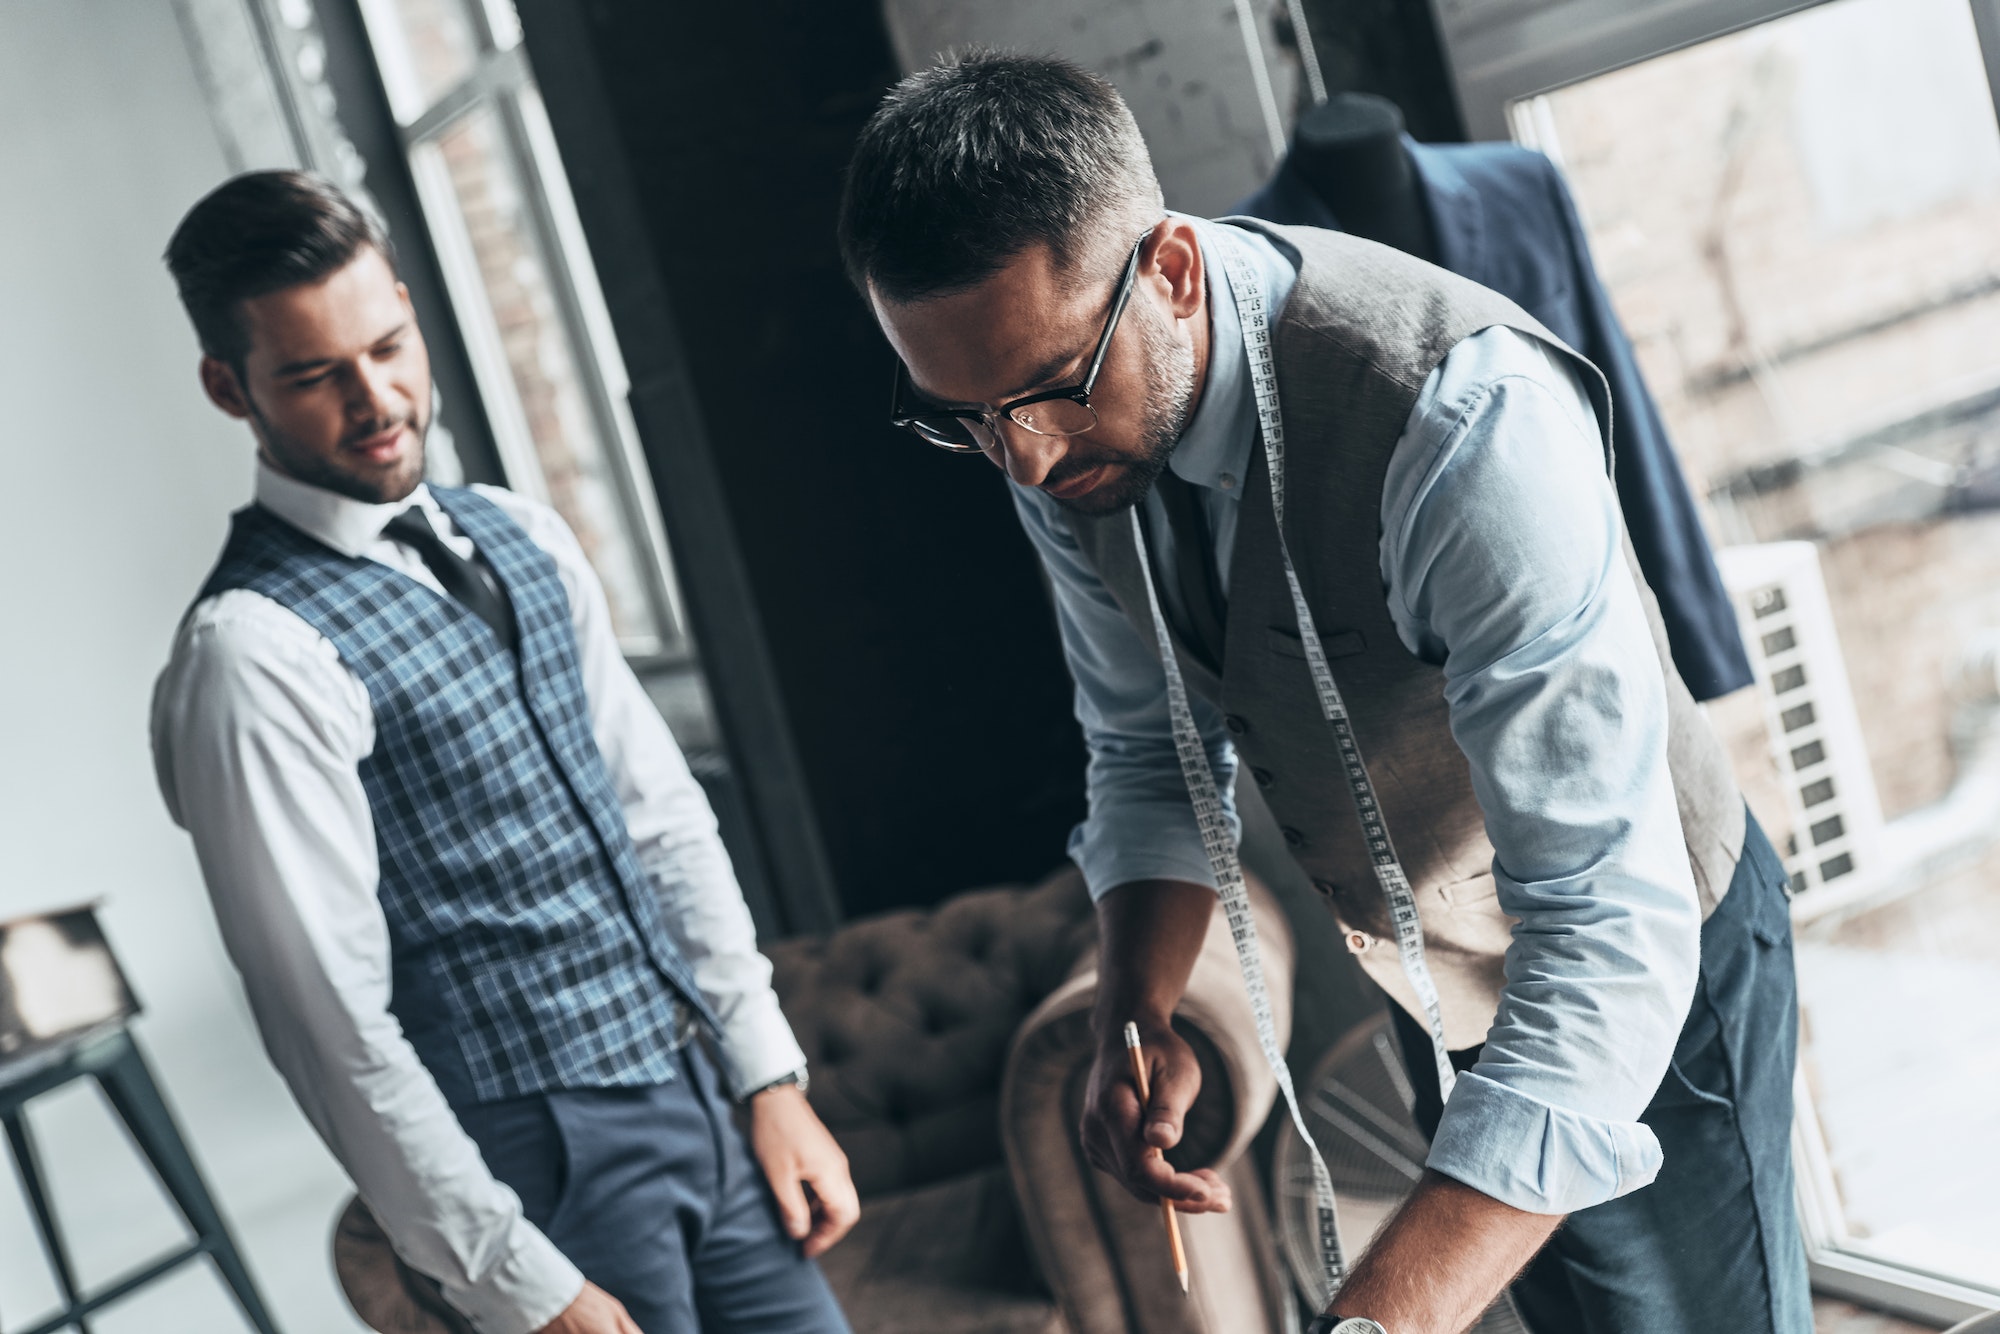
x: 1126, y: 1140
x: 1444, y: 1257
x: 594, y: 1311
x: 1149, y: 934
x: 806, y: 1169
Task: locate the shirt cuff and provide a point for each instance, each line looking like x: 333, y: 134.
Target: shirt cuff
x: 1535, y: 1157
x: 758, y: 1046
x: 527, y: 1289
x: 1142, y: 849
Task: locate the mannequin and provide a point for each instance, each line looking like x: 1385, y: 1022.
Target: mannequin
x: 1349, y: 149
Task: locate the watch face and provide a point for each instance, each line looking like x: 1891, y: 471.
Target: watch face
x: 1358, y: 1326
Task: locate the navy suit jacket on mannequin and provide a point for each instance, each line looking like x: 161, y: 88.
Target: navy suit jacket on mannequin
x: 1502, y: 216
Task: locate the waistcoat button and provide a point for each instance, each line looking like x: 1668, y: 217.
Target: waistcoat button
x: 1263, y: 776
x: 1235, y: 723
x: 1293, y: 838
x: 1326, y: 887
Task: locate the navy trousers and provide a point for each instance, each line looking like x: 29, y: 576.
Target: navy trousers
x: 654, y: 1195
x: 1713, y: 1244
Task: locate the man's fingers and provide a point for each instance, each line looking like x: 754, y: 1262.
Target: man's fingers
x: 839, y: 1210
x: 794, y: 1211
x: 1175, y: 1084
x: 1157, y: 1176
x: 1189, y: 1192
x: 1216, y: 1195
x: 1124, y: 1138
x: 1118, y: 1109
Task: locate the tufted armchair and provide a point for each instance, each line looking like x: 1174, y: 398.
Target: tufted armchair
x: 949, y: 1051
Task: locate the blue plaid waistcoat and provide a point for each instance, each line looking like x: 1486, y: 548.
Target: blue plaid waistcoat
x: 528, y: 947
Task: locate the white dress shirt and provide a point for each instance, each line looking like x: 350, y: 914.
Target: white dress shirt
x: 258, y: 732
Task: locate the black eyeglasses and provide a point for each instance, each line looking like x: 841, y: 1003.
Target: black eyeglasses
x: 1064, y: 411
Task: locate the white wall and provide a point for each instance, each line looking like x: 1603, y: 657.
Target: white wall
x: 118, y: 479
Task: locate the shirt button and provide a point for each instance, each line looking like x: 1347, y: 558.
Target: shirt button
x: 1263, y: 776
x: 1293, y: 838
x: 1358, y: 942
x: 1235, y: 723
x: 1227, y: 481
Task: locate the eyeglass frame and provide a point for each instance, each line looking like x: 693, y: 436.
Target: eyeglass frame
x: 1078, y: 393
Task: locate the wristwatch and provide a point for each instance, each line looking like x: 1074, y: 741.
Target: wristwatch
x: 1333, y: 1324
x: 796, y: 1078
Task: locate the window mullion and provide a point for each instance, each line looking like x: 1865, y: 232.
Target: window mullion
x: 497, y: 74
x: 630, y: 482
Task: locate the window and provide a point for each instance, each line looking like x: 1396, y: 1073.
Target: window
x: 501, y: 220
x: 1799, y: 222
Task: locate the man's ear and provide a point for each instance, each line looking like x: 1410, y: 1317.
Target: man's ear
x: 1177, y: 260
x: 219, y: 382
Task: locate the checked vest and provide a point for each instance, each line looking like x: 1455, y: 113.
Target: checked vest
x: 1360, y: 334
x: 528, y: 948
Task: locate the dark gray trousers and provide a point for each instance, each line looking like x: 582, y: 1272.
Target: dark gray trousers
x: 653, y: 1194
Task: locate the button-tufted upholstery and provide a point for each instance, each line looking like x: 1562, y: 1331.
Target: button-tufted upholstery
x: 906, y: 1020
x: 948, y: 1051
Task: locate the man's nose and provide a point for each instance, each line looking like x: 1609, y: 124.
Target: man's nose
x: 1027, y: 457
x: 372, y: 393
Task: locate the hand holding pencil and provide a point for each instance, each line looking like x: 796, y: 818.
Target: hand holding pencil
x: 1125, y: 1132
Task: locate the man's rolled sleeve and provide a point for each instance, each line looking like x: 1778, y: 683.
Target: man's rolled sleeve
x: 1543, y: 1159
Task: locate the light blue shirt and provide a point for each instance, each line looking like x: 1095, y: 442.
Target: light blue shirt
x: 1501, y: 560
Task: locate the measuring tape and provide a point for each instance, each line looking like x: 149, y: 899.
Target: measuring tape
x: 1216, y: 839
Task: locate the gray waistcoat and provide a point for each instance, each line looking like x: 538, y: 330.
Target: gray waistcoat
x: 1362, y: 331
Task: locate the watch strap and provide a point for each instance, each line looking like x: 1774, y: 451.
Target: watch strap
x: 796, y: 1078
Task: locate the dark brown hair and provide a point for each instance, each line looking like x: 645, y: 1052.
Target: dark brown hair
x: 259, y: 233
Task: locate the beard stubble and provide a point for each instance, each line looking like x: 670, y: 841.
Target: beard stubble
x: 1169, y: 404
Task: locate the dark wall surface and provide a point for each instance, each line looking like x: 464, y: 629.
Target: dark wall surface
x: 1390, y: 48
x: 876, y: 624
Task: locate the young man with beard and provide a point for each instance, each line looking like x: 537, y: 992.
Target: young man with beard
x: 1604, y: 983
x: 477, y: 900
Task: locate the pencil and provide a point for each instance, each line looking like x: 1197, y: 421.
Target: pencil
x: 1166, y: 1206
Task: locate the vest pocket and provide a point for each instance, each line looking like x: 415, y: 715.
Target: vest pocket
x: 1335, y: 643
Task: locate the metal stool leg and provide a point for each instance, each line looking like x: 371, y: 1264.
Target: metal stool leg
x: 128, y: 1083
x: 30, y: 1163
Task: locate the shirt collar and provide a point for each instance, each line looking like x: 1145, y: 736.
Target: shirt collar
x: 1214, y: 450
x: 348, y: 526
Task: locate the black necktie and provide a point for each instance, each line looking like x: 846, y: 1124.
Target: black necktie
x: 468, y: 581
x: 1202, y: 605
